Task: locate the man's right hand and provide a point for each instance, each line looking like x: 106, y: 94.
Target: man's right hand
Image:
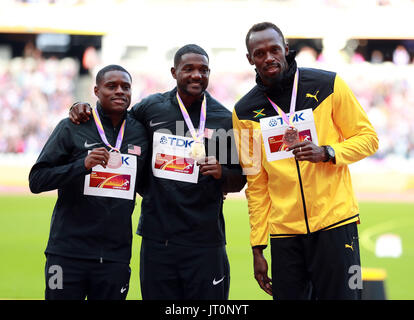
x: 95, y: 157
x: 260, y: 270
x: 80, y: 112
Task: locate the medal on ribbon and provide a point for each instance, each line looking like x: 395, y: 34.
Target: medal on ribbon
x: 115, y: 158
x: 291, y: 135
x: 198, y: 151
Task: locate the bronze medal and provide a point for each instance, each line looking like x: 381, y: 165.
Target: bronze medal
x: 291, y: 136
x: 115, y: 160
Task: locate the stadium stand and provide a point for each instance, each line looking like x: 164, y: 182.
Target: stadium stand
x: 37, y: 87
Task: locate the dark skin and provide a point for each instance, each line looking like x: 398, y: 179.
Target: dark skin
x: 267, y: 52
x: 98, y: 156
x: 260, y: 270
x: 114, y: 95
x: 192, y: 76
x: 308, y: 151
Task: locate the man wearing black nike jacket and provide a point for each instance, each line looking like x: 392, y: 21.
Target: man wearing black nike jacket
x: 183, y: 253
x: 89, y: 247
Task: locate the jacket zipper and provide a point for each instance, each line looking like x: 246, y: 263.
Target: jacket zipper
x: 303, y: 197
x: 101, y: 260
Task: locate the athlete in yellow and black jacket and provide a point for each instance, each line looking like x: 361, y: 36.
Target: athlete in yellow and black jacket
x: 307, y: 196
x: 295, y: 198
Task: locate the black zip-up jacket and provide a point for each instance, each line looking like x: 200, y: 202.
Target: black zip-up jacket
x: 181, y: 212
x: 84, y: 226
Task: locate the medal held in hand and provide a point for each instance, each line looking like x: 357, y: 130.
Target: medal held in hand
x: 198, y: 151
x: 115, y: 158
x: 291, y: 135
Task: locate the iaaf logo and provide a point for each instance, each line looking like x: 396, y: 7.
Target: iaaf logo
x: 296, y: 118
x: 177, y: 142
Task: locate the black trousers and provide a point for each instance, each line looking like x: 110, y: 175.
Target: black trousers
x: 77, y: 279
x: 324, y: 265
x: 173, y: 272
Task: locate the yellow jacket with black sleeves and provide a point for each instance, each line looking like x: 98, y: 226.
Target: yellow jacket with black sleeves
x: 288, y: 197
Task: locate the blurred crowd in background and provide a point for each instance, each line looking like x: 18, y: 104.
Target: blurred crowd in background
x: 333, y: 3
x: 36, y: 93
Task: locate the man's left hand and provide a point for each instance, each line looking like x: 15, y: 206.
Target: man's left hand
x: 210, y: 167
x: 308, y: 151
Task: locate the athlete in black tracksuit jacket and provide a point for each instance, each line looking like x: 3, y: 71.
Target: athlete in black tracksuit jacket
x: 183, y: 249
x: 86, y: 228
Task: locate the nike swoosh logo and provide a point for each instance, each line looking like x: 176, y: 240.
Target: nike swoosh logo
x: 123, y: 290
x: 88, y: 145
x: 153, y: 124
x: 217, y: 282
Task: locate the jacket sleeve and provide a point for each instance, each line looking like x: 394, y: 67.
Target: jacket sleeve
x: 232, y: 179
x: 53, y: 168
x: 137, y: 111
x: 249, y: 146
x: 140, y: 110
x: 359, y: 137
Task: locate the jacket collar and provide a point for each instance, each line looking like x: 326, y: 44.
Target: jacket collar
x: 104, y: 117
x: 285, y: 83
x: 174, y: 100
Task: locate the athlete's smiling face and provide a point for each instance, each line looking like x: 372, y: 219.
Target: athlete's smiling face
x: 267, y: 51
x: 192, y: 74
x: 114, y: 91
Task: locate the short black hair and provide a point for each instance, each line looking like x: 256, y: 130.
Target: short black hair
x: 111, y: 67
x: 260, y: 27
x: 188, y: 48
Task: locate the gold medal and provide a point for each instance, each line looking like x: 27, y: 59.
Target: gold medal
x: 115, y: 160
x: 291, y: 136
x: 198, y: 152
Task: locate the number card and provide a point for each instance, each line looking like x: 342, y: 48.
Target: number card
x: 273, y: 129
x: 110, y: 182
x: 171, y: 158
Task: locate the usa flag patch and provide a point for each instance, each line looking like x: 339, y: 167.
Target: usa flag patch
x: 132, y: 149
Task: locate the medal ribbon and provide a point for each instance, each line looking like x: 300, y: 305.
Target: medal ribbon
x: 286, y: 119
x: 197, y: 137
x: 102, y: 132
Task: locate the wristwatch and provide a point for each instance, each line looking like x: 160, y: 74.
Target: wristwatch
x: 329, y: 153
